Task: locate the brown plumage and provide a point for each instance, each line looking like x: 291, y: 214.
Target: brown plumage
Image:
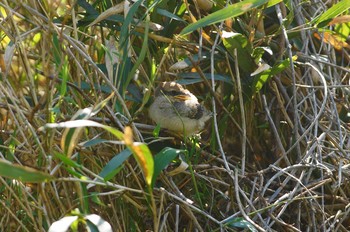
x: 176, y: 108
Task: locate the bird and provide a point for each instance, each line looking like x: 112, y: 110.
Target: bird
x: 177, y: 109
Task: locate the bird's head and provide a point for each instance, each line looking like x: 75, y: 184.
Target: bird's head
x: 173, y: 91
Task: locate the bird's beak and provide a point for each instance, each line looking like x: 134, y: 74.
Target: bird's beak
x: 183, y: 97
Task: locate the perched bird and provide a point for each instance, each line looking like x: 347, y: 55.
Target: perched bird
x: 177, y: 109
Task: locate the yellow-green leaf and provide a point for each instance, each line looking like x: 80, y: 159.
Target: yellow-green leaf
x: 332, y: 12
x: 144, y: 158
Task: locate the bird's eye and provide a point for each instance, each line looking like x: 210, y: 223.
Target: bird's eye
x: 174, y: 93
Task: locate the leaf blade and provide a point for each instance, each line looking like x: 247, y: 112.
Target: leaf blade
x: 231, y: 11
x: 22, y: 173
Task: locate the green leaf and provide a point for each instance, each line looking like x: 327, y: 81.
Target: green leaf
x: 56, y: 50
x: 156, y: 131
x: 91, y: 227
x: 241, y: 223
x: 192, y: 78
x: 258, y: 52
x: 22, y: 173
x: 141, y: 57
x: 93, y: 142
x: 240, y: 42
x: 124, y: 31
x: 86, y: 6
x: 231, y: 11
x: 125, y: 67
x: 85, y: 203
x: 162, y: 159
x: 264, y: 76
x: 331, y: 13
x: 117, y: 133
x: 70, y: 139
x: 170, y: 15
x: 64, y: 75
x: 62, y: 66
x: 111, y: 168
x: 71, y: 136
x: 73, y: 172
x: 100, y: 105
x: 94, y: 196
x: 67, y: 161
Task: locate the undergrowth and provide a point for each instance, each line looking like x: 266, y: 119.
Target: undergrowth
x: 76, y: 142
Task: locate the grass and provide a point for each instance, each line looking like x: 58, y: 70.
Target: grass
x: 76, y: 142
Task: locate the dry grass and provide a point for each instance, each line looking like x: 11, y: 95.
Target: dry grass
x: 274, y: 160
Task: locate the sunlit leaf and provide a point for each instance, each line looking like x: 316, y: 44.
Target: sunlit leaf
x: 145, y: 159
x: 101, y: 224
x: 339, y: 20
x: 331, y: 13
x: 63, y: 224
x: 128, y: 136
x: 124, y: 31
x: 83, y: 123
x: 37, y: 37
x: 156, y: 131
x: 141, y: 153
x: 69, y: 141
x: 332, y: 39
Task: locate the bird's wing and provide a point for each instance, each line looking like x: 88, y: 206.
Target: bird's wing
x: 189, y: 112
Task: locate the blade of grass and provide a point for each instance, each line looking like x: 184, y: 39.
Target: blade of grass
x: 22, y: 173
x: 231, y: 11
x: 331, y: 13
x: 141, y: 56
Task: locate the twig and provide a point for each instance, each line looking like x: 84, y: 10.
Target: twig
x: 241, y: 105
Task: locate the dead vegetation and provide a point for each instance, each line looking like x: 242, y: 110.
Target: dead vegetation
x: 274, y: 158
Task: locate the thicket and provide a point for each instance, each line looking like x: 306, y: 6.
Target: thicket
x: 78, y: 150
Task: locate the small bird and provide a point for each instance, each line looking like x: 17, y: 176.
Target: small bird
x: 177, y: 109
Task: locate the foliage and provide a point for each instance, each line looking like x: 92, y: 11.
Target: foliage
x: 78, y: 150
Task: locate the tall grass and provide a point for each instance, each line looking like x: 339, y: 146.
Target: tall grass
x: 76, y: 142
